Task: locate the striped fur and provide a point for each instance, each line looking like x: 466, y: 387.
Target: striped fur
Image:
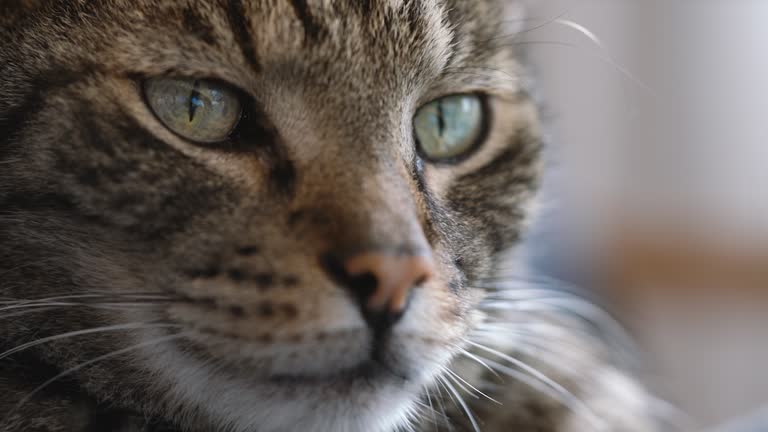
x: 107, y: 218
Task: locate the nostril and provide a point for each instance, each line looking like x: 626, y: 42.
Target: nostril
x: 334, y: 267
x: 381, y: 283
x: 362, y: 286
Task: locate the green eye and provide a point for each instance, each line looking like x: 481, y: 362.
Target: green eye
x: 450, y: 127
x: 199, y: 110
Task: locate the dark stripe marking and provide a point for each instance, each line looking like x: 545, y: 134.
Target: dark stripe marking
x: 411, y: 10
x: 363, y: 7
x: 38, y: 201
x: 197, y: 25
x: 14, y: 121
x: 522, y: 152
x: 313, y: 32
x: 433, y: 210
x: 256, y: 134
x: 240, y: 25
x: 283, y: 175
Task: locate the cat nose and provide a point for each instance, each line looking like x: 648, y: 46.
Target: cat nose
x: 381, y: 283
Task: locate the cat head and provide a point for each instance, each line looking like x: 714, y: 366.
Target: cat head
x: 282, y: 212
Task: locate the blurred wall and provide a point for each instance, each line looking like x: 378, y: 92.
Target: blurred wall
x: 660, y: 190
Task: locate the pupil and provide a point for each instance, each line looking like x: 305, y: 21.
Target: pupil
x: 195, y: 101
x: 440, y: 118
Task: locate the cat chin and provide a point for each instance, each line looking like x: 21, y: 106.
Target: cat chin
x: 373, y: 401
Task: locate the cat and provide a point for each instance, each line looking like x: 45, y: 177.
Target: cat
x: 281, y: 215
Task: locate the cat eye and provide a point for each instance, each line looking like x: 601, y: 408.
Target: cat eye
x: 449, y: 128
x: 203, y: 111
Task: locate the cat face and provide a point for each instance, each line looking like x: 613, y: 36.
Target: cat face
x: 295, y: 202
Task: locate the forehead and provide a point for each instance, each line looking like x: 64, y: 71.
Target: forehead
x: 389, y: 41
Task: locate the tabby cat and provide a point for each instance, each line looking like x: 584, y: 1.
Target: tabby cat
x: 280, y: 215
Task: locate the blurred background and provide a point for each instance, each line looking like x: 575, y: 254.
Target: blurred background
x: 657, y: 195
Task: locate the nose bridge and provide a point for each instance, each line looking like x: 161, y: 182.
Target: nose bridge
x: 363, y: 206
x: 380, y: 206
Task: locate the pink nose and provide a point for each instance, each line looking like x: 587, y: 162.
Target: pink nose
x: 395, y: 276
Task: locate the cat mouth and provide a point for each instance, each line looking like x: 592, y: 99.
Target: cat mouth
x: 371, y: 361
x: 370, y: 371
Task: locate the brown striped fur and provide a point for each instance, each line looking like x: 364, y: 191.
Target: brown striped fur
x: 98, y: 198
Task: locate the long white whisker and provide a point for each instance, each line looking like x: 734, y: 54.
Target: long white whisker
x: 463, y: 404
x: 39, y: 309
x: 88, y: 363
x: 441, y: 382
x: 578, y: 306
x: 24, y: 312
x: 537, y: 330
x: 464, y: 388
x: 601, y: 57
x: 432, y: 410
x: 538, y: 385
x: 72, y: 304
x: 581, y: 29
x: 32, y: 305
x: 440, y: 403
x: 585, y: 411
x: 116, y: 296
x: 478, y: 360
x: 105, y: 329
x: 466, y: 383
x: 545, y: 22
x: 12, y: 301
x: 535, y: 349
x: 27, y: 264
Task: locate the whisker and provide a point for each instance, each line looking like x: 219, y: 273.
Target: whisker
x: 441, y: 385
x: 451, y: 389
x: 74, y: 369
x: 584, y: 409
x: 432, y: 410
x: 464, y: 388
x: 33, y: 305
x: 581, y: 29
x: 543, y: 24
x: 510, y: 290
x: 622, y: 70
x: 475, y: 389
x: 137, y: 296
x: 43, y: 308
x: 26, y: 265
x: 105, y: 329
x: 440, y: 404
x: 554, y: 301
x: 114, y: 305
x: 544, y: 353
x: 531, y: 345
x: 478, y: 360
x: 25, y: 312
x: 536, y: 384
x: 13, y: 301
x: 538, y: 329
